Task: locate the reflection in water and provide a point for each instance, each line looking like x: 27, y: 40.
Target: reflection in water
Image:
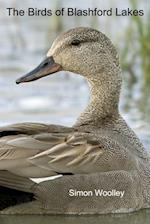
x: 136, y: 217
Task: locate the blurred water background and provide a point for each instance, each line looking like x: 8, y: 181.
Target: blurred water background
x: 59, y: 99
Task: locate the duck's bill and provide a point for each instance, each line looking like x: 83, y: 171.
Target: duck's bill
x: 47, y: 67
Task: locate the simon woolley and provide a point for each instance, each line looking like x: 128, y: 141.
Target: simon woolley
x: 96, y: 192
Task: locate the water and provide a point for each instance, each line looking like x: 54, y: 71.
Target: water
x: 60, y: 98
x: 140, y: 217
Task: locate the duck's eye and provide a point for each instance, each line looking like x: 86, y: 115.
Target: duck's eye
x: 75, y: 42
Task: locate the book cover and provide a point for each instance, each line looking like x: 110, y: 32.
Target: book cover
x: 74, y: 110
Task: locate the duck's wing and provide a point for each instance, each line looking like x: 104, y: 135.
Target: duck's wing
x: 36, y: 150
x: 21, y: 141
x: 79, y: 153
x: 85, y: 153
x: 30, y: 128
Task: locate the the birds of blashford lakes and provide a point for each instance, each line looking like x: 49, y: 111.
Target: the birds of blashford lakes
x: 100, y: 152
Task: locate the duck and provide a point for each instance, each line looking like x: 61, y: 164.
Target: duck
x: 99, y: 152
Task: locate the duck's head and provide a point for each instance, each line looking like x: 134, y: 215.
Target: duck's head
x: 81, y: 50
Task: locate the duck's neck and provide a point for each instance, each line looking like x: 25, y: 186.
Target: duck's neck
x: 103, y: 105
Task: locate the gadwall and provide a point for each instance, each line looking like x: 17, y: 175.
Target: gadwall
x: 100, y: 152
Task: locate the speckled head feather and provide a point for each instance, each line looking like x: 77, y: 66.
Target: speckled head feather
x: 91, y: 41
